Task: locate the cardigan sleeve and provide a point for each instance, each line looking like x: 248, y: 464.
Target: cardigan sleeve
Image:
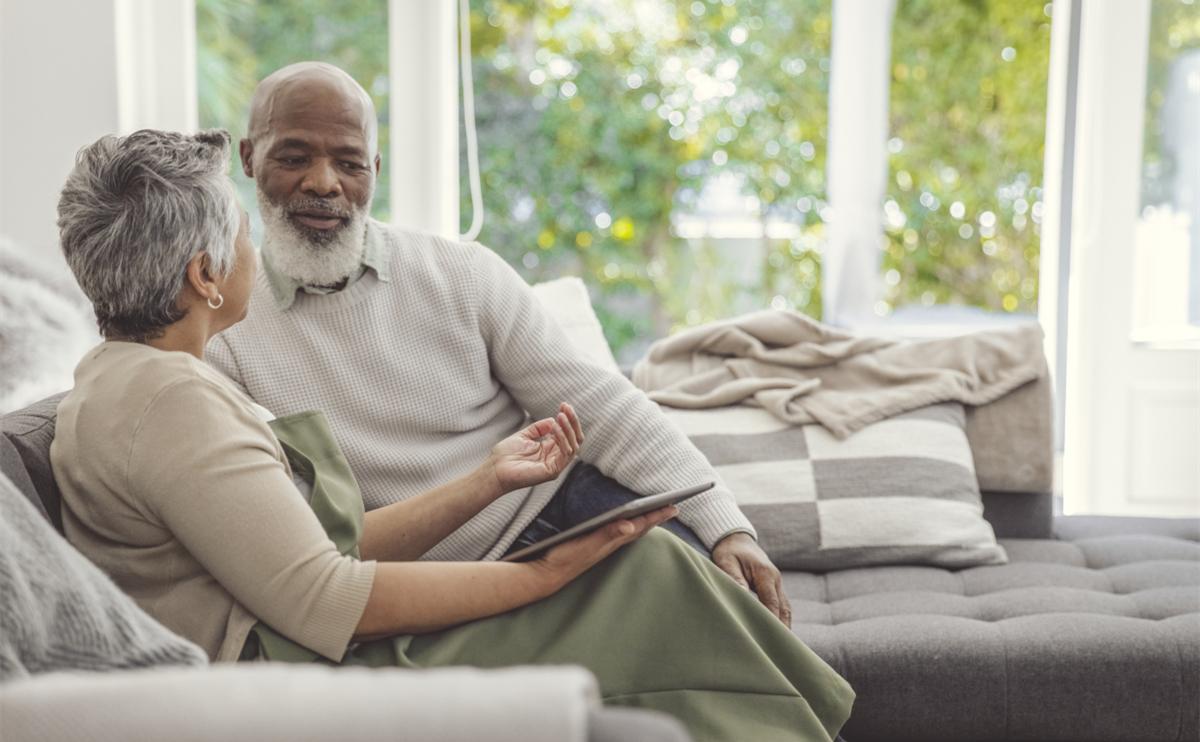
x: 626, y: 435
x: 210, y: 470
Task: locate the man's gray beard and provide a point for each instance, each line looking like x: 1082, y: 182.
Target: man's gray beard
x: 294, y: 253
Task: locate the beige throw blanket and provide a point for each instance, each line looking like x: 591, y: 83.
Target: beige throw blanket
x: 804, y: 372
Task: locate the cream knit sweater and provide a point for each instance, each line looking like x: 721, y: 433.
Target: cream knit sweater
x: 422, y: 374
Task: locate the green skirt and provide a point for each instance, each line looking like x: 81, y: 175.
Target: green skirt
x: 658, y: 625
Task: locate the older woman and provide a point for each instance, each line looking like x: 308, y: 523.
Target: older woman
x: 247, y: 536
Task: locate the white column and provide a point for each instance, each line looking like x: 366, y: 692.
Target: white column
x: 1108, y: 160
x: 156, y: 64
x: 857, y: 163
x: 58, y: 92
x: 1054, y: 261
x: 423, y: 76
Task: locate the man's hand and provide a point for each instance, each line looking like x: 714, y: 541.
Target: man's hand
x: 745, y: 561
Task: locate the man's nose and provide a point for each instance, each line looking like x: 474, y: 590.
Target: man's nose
x: 321, y: 179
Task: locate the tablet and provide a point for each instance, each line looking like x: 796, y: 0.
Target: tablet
x: 631, y: 509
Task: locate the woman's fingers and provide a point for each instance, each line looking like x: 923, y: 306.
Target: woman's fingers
x: 580, y: 554
x: 642, y: 524
x: 574, y: 418
x: 560, y: 438
x: 569, y: 430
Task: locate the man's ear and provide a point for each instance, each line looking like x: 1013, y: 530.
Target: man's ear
x: 378, y: 160
x: 246, y: 151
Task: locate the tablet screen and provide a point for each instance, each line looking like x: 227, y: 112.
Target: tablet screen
x: 631, y: 509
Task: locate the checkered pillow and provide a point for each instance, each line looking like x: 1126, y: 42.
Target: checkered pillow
x: 901, y: 491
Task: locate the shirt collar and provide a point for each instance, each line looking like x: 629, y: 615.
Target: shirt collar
x: 376, y: 256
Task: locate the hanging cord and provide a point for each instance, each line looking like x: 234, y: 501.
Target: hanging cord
x: 468, y: 93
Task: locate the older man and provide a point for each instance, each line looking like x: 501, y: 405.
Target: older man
x: 424, y: 352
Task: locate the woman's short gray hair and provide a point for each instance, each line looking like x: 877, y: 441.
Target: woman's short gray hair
x: 134, y: 211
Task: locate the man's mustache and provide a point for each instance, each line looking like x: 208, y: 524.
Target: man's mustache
x: 318, y: 205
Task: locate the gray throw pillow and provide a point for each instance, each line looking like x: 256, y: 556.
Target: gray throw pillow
x: 59, y: 612
x: 30, y: 432
x: 900, y: 491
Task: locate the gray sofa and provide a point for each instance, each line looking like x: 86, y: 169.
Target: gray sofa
x: 1091, y: 632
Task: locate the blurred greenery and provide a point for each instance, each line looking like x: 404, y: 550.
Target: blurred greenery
x: 599, y: 121
x: 239, y: 42
x: 1174, y: 30
x: 968, y: 121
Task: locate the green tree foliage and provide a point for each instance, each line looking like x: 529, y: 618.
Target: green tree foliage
x: 968, y: 120
x: 599, y: 121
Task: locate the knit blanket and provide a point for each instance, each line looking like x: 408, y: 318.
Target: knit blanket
x: 46, y: 325
x: 802, y: 371
x: 59, y: 612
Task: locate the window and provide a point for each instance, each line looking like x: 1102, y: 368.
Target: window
x: 671, y: 153
x: 968, y: 119
x: 239, y: 43
x: 1166, y: 294
x: 674, y: 153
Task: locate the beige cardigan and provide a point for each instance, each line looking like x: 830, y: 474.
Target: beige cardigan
x: 174, y: 487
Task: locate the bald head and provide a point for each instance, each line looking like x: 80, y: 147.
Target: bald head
x: 305, y: 88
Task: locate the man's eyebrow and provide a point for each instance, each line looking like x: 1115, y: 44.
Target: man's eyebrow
x: 291, y: 142
x: 348, y: 149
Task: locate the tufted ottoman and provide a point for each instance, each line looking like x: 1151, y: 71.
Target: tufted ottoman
x: 1092, y: 638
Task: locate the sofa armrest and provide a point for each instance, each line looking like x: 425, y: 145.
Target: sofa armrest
x: 265, y: 701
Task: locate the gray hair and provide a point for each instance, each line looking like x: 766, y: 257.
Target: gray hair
x: 134, y: 211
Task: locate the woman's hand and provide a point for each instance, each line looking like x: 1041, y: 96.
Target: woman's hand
x: 568, y: 560
x: 538, y: 453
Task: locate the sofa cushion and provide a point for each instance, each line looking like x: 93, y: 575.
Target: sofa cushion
x: 31, y: 431
x: 1071, y: 640
x: 569, y: 304
x: 902, y: 490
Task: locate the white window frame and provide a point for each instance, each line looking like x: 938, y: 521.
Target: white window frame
x: 857, y: 161
x: 156, y: 65
x: 1131, y: 407
x: 423, y: 81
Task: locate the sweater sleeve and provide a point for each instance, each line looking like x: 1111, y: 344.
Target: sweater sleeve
x: 626, y: 435
x: 208, y: 469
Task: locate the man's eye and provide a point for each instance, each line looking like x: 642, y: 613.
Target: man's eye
x: 292, y: 161
x: 349, y: 165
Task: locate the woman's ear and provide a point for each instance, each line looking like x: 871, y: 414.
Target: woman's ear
x: 200, y: 277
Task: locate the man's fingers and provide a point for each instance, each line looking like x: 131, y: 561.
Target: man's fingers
x: 767, y: 591
x: 785, y: 604
x: 733, y: 568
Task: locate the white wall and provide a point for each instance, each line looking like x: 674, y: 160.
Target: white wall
x: 58, y: 92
